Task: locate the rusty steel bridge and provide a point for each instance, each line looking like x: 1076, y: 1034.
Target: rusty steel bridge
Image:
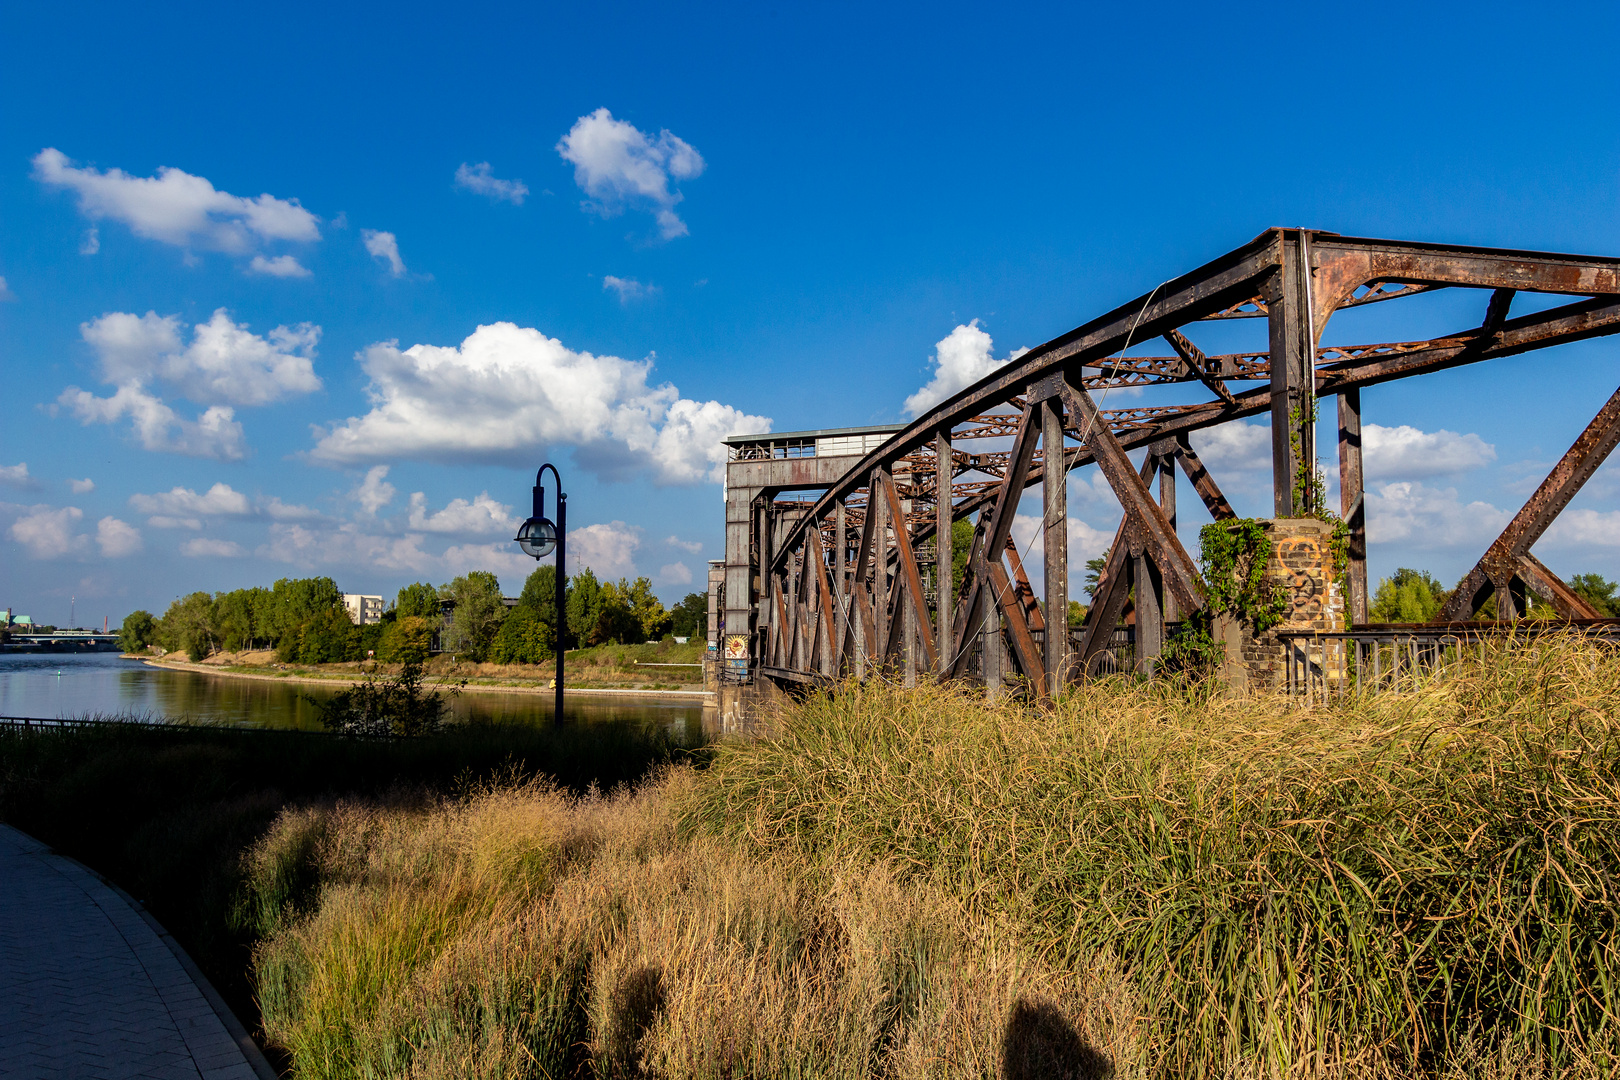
x: 833, y: 567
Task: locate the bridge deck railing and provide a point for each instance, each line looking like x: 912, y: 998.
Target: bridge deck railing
x: 1399, y: 658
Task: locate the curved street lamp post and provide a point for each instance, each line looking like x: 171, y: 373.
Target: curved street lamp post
x: 537, y: 537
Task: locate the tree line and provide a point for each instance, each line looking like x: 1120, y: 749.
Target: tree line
x: 304, y: 620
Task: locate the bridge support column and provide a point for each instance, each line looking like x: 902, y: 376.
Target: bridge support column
x: 1352, y: 507
x: 944, y: 591
x: 1164, y: 452
x: 1293, y: 377
x: 1055, y: 518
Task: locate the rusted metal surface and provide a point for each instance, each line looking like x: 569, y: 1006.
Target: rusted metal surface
x: 1504, y: 561
x: 926, y: 474
x: 1352, y: 502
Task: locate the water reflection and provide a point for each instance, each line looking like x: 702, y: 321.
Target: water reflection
x: 68, y: 685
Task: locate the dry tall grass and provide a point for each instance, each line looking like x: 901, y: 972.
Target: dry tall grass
x: 1137, y: 881
x: 518, y: 932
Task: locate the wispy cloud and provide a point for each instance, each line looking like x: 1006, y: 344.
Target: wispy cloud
x: 629, y: 289
x: 480, y: 180
x: 384, y: 247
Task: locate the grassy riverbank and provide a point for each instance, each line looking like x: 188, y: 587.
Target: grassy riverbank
x: 654, y: 666
x: 1136, y: 882
x: 168, y: 812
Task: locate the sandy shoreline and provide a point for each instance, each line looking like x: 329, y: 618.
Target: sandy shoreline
x: 695, y: 696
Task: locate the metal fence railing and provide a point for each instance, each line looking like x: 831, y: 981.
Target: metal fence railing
x: 1399, y: 657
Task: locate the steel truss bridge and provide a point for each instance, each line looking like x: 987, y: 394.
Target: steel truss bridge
x: 851, y: 579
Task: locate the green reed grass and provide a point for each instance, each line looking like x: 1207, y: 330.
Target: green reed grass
x: 1388, y: 884
x: 1139, y: 880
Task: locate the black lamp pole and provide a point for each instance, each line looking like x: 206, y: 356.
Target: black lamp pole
x: 536, y: 537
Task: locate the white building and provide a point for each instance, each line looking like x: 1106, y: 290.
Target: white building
x: 363, y: 610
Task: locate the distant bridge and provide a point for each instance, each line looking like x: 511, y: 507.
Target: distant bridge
x: 847, y: 577
x: 64, y: 641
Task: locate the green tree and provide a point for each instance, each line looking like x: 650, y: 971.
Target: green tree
x: 961, y: 551
x: 476, y: 617
x: 293, y: 602
x: 1410, y: 596
x: 233, y: 615
x: 616, y: 619
x: 420, y: 599
x: 539, y: 597
x: 690, y: 619
x: 1599, y: 592
x: 188, y: 626
x: 584, y: 608
x: 1094, y: 572
x: 138, y: 631
x: 328, y: 637
x: 652, y: 621
x: 523, y: 639
x: 405, y: 641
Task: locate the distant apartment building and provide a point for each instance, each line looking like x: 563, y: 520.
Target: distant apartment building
x: 363, y: 610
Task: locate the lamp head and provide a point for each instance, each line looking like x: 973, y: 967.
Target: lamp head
x: 537, y: 537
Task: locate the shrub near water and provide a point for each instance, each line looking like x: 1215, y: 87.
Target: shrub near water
x: 908, y: 883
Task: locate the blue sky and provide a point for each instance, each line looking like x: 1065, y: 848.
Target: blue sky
x: 779, y: 217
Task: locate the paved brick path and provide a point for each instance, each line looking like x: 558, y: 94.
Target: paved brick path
x: 88, y: 988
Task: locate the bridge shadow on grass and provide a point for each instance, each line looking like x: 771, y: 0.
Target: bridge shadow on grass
x: 1041, y: 1044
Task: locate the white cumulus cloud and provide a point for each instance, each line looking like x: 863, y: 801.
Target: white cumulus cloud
x: 16, y: 475
x: 1600, y: 528
x: 674, y: 574
x: 283, y: 266
x: 961, y: 358
x: 374, y: 492
x: 81, y: 487
x: 481, y: 180
x: 619, y: 166
x: 175, y: 207
x: 608, y: 549
x: 223, y: 365
x: 384, y: 247
x: 1407, y: 453
x: 204, y: 547
x: 346, y: 546
x: 48, y: 531
x: 1238, y: 446
x: 1085, y: 542
x: 214, y: 434
x: 221, y: 500
x: 1427, y: 517
x: 502, y: 560
x: 277, y: 510
x: 482, y: 515
x: 691, y: 546
x: 117, y: 538
x: 508, y: 389
x: 91, y: 242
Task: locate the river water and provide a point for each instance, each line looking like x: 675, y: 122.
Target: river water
x: 72, y: 685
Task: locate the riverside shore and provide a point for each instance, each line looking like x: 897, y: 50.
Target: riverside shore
x: 694, y: 694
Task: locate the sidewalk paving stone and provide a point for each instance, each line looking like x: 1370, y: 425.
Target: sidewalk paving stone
x: 88, y: 988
